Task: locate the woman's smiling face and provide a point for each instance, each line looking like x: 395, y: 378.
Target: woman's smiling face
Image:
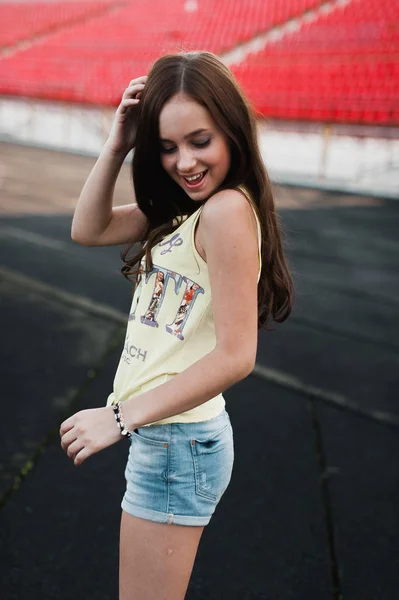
x: 194, y: 151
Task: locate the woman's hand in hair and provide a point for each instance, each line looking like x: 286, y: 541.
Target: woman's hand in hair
x: 89, y: 431
x: 122, y: 136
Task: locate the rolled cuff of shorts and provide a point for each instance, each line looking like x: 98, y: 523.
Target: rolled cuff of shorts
x: 160, y: 517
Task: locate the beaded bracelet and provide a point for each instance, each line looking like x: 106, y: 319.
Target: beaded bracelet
x: 120, y: 421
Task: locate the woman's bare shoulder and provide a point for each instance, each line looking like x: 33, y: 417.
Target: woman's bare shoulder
x: 229, y: 205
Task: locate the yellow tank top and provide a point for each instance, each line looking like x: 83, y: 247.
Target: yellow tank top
x: 170, y: 324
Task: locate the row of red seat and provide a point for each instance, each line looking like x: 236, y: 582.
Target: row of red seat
x: 28, y: 20
x: 344, y: 66
x: 235, y: 19
x: 306, y: 73
x: 146, y: 30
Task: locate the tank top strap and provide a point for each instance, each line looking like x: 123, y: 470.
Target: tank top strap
x: 197, y: 214
x: 188, y: 218
x: 247, y: 195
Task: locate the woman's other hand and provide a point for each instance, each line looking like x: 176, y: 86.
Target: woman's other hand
x: 122, y: 136
x: 89, y: 431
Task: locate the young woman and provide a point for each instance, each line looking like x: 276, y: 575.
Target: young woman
x: 211, y: 271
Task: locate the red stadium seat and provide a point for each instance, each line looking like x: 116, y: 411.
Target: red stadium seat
x: 341, y: 67
x: 341, y: 55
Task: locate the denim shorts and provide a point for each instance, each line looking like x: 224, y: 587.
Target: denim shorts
x: 178, y: 472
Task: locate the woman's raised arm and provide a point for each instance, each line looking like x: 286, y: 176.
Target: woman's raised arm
x: 96, y: 222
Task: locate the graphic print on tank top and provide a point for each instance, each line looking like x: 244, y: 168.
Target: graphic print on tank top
x: 153, y: 298
x: 152, y: 315
x: 176, y: 240
x: 136, y: 298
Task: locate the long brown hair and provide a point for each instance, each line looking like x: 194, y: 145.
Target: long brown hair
x: 203, y: 77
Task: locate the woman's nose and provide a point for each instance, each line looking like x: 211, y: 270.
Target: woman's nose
x: 185, y: 162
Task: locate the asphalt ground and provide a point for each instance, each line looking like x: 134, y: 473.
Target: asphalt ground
x: 312, y: 509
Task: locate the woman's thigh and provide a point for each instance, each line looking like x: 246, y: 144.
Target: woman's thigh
x: 155, y: 559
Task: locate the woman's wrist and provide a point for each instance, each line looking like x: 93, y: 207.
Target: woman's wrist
x: 113, y: 153
x: 120, y: 420
x: 131, y: 413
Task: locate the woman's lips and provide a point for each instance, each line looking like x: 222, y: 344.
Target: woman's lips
x: 197, y: 183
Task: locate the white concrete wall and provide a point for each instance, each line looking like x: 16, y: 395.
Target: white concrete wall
x: 355, y: 159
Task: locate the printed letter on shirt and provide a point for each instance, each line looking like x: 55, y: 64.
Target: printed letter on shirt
x: 191, y: 292
x: 158, y: 294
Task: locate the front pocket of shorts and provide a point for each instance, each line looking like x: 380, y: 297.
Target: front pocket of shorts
x: 147, y: 456
x: 213, y: 463
x: 141, y: 436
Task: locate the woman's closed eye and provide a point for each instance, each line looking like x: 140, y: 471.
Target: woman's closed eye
x: 202, y: 143
x: 168, y: 150
x: 196, y: 144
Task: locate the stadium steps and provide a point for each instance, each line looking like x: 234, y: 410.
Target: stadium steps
x: 277, y: 32
x: 342, y: 67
